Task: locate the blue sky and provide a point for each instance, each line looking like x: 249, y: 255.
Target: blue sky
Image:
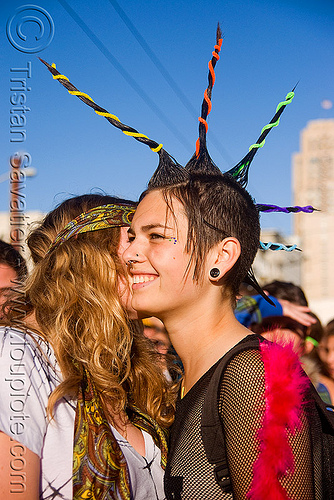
x: 267, y: 48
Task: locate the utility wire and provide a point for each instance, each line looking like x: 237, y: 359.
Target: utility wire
x: 131, y: 81
x: 140, y: 39
x: 167, y: 76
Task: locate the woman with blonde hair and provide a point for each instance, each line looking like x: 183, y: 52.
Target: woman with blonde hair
x: 83, y: 403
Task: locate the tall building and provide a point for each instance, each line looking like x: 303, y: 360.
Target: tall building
x: 313, y: 184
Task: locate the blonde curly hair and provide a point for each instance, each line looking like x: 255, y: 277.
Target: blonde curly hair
x: 73, y: 294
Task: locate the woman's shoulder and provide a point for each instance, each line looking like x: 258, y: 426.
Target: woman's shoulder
x: 259, y: 365
x: 255, y: 349
x: 23, y: 350
x: 29, y: 375
x: 245, y: 354
x: 244, y: 367
x: 15, y: 336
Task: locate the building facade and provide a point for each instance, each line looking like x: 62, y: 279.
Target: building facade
x: 313, y: 184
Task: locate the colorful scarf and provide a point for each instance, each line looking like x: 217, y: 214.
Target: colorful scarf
x: 102, y: 217
x: 99, y: 468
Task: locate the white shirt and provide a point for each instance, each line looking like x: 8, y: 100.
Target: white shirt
x: 27, y: 379
x: 28, y: 374
x: 146, y: 474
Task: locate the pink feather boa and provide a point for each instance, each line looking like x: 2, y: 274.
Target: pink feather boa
x: 285, y: 386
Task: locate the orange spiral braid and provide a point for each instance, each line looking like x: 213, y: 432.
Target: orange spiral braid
x: 207, y: 105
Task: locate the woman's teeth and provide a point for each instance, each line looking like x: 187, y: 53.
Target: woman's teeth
x: 142, y: 279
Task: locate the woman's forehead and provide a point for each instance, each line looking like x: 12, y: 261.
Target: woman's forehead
x: 153, y: 210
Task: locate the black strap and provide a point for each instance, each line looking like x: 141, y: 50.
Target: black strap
x: 211, y: 424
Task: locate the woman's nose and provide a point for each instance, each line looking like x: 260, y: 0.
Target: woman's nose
x: 130, y: 255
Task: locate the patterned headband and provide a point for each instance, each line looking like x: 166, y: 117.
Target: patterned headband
x: 102, y: 217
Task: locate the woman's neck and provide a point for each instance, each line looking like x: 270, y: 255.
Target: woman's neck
x: 201, y: 336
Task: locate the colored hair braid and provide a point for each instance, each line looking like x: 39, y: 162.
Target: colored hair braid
x: 240, y: 171
x: 278, y: 246
x: 206, y: 104
x: 275, y: 208
x: 114, y: 120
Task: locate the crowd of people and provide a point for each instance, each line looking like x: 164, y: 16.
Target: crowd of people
x: 291, y: 320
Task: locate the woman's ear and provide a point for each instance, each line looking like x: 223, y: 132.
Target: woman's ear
x: 223, y: 257
x: 308, y: 347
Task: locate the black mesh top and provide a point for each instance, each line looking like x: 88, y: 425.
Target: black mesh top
x: 189, y: 475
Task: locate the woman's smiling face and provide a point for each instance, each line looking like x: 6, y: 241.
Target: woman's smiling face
x: 162, y: 281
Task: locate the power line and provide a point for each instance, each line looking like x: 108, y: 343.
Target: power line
x: 156, y: 61
x: 166, y: 75
x: 131, y: 81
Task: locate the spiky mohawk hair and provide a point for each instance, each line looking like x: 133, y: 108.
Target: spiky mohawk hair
x: 168, y: 169
x: 201, y: 162
x: 241, y: 169
x: 169, y: 172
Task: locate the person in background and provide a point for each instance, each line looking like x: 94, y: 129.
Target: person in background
x: 326, y: 348
x: 155, y: 331
x: 313, y: 364
x: 286, y: 291
x: 282, y: 329
x: 13, y: 269
x: 251, y: 309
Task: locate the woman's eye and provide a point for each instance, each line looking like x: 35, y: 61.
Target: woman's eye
x: 155, y: 236
x: 131, y: 238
